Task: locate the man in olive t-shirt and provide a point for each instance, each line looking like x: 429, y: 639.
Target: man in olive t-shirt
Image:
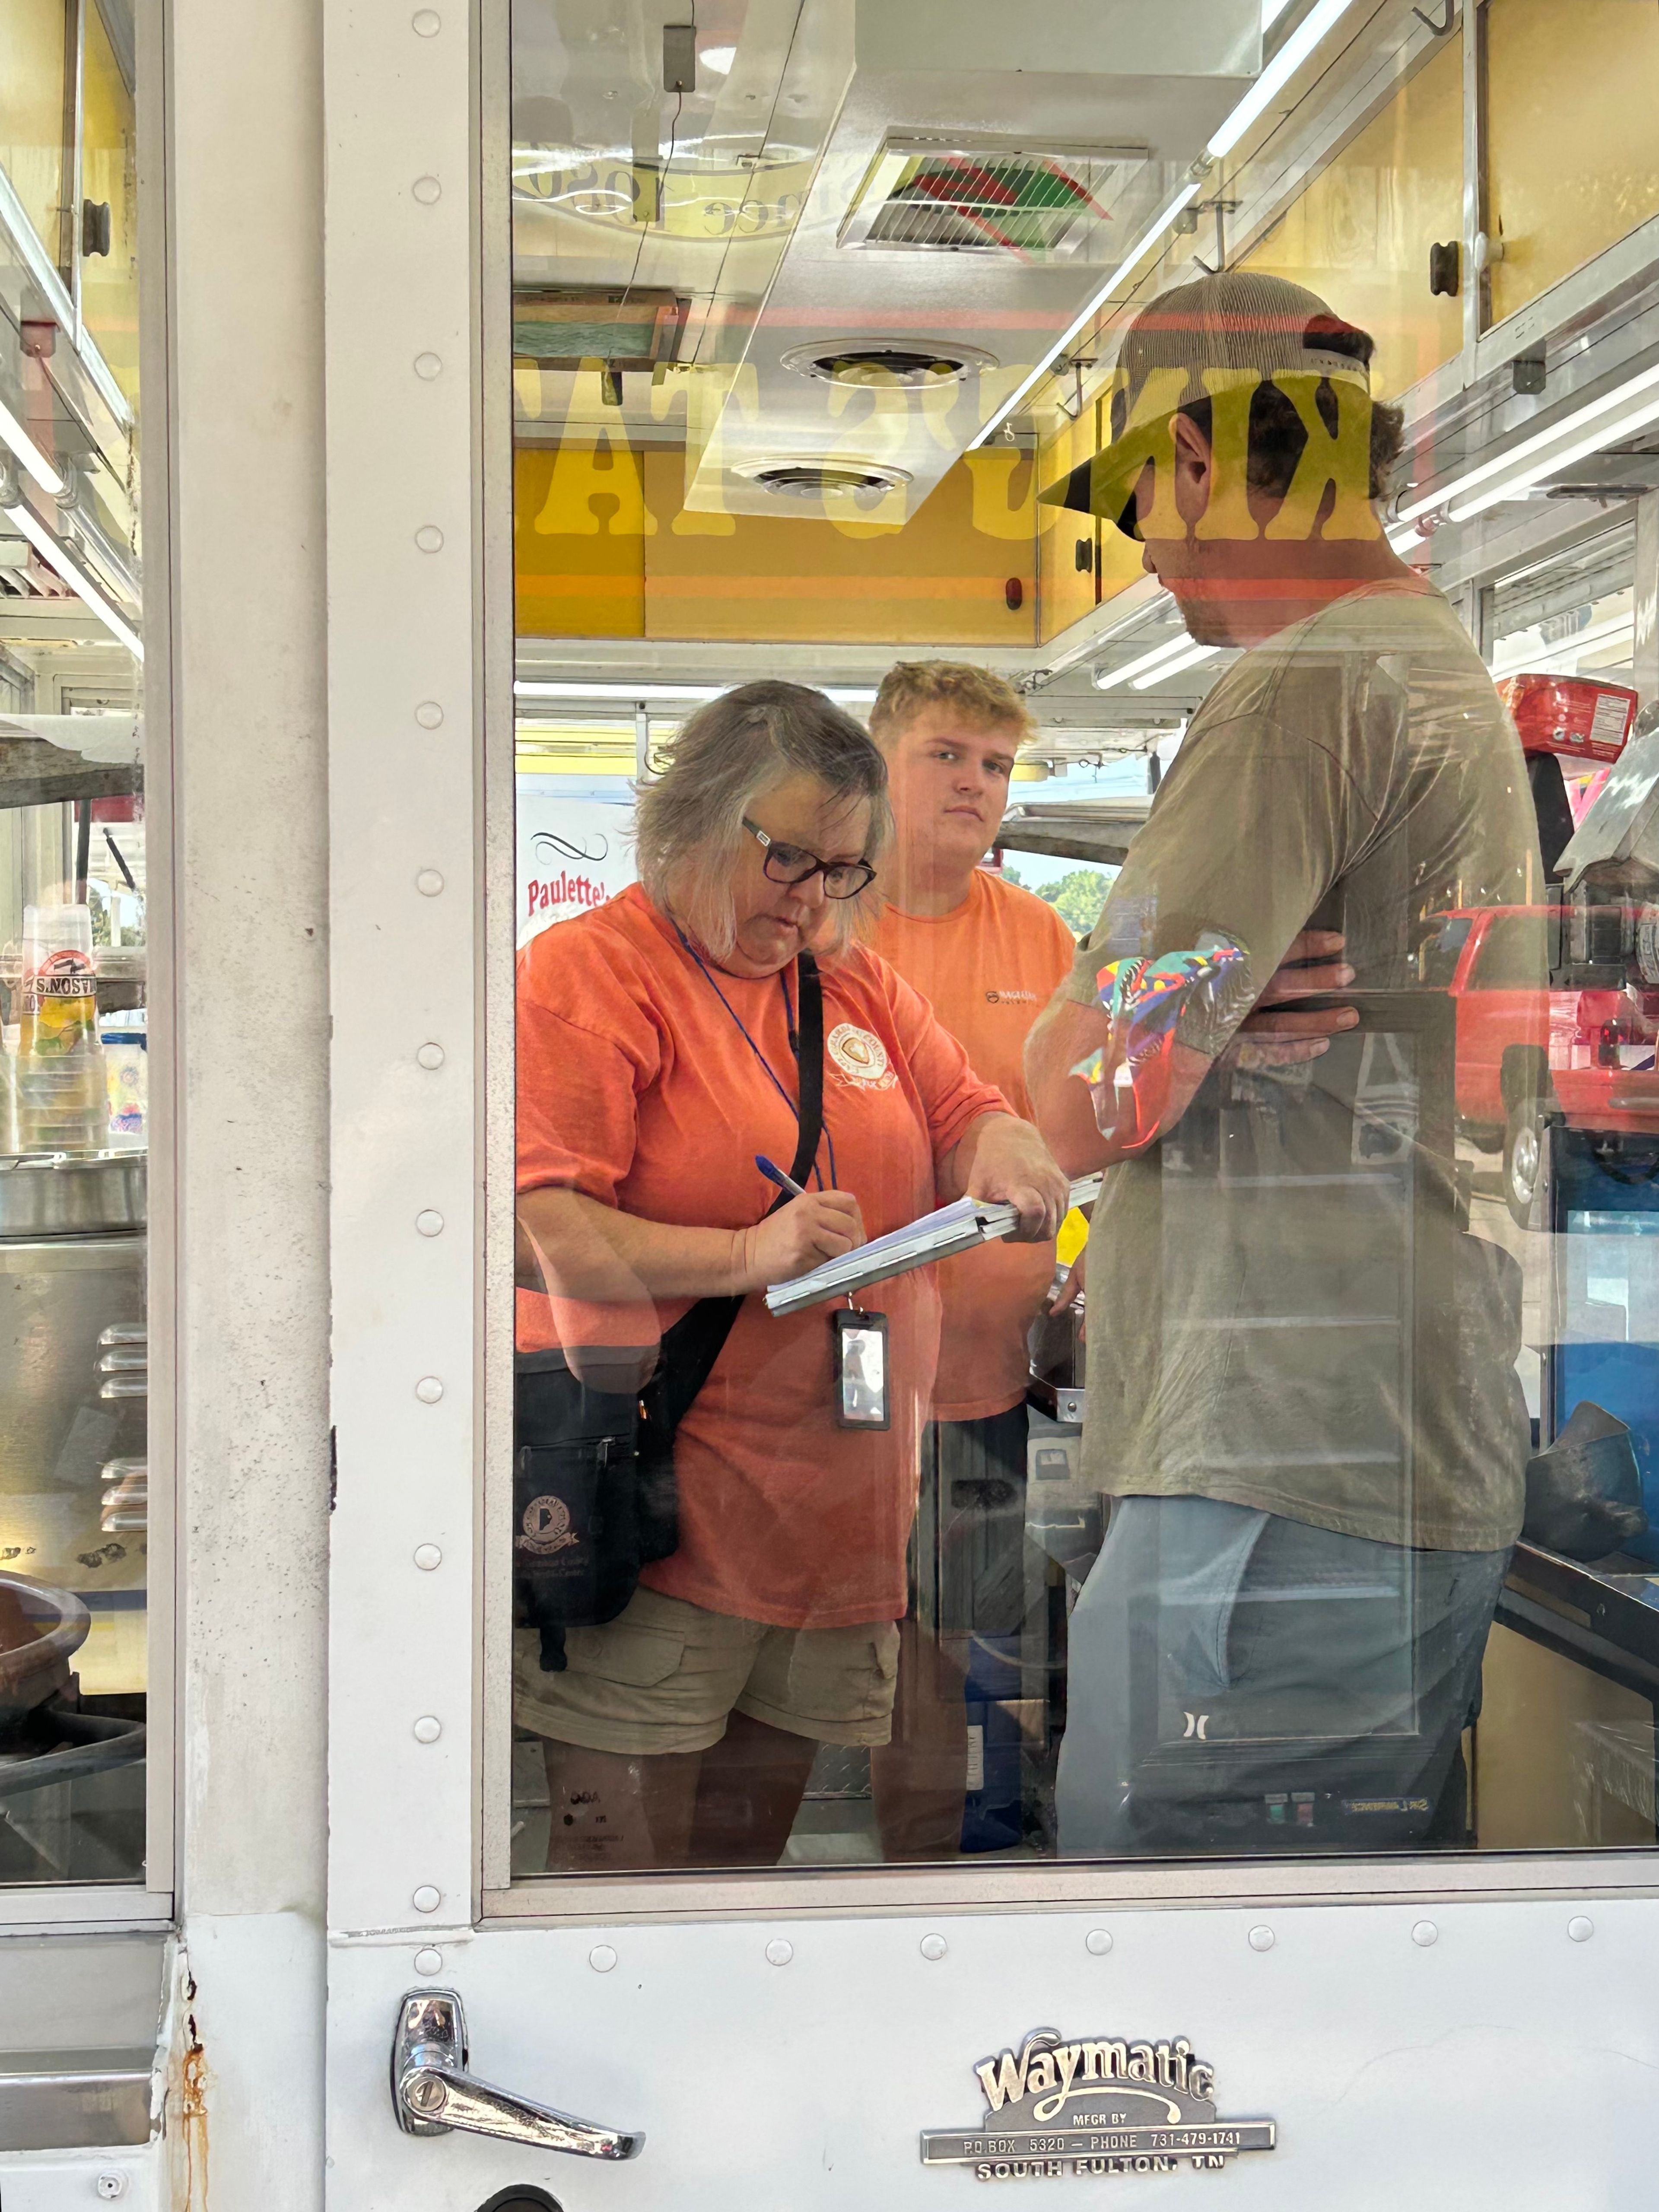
x: 1300, y: 1378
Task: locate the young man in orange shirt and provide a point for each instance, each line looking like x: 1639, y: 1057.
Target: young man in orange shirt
x: 988, y: 956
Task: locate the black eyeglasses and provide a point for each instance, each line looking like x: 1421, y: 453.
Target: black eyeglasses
x: 794, y: 864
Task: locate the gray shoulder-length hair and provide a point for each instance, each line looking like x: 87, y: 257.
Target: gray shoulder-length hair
x: 688, y: 826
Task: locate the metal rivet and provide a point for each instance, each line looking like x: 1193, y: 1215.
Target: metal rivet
x: 602, y: 1958
x: 427, y: 189
x: 430, y: 1056
x: 426, y: 1557
x: 933, y: 1947
x: 110, y: 2186
x: 429, y: 713
x: 1580, y: 1929
x: 429, y: 1390
x: 780, y: 1953
x: 429, y: 1224
x: 425, y: 1898
x: 1262, y: 1939
x: 1425, y: 1933
x: 426, y: 366
x: 428, y: 1729
x: 426, y: 23
x: 429, y: 883
x: 1097, y: 1942
x: 429, y: 538
x: 429, y: 1962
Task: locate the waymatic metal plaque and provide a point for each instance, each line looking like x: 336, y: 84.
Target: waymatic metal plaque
x: 1102, y: 2106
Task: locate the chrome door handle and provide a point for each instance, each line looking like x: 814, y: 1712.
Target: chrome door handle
x: 432, y: 2091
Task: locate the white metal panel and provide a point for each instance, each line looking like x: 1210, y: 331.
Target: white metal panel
x: 400, y: 297
x: 58, y: 2180
x: 1501, y: 2062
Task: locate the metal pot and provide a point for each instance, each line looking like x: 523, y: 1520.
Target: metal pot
x: 70, y: 1193
x: 30, y: 1672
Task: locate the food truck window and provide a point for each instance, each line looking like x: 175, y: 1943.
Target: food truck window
x: 976, y: 1396
x: 74, y: 1093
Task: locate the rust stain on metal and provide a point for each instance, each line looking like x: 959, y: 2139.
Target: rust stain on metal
x: 187, y: 2105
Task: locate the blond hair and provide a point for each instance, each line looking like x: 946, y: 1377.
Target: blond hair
x: 980, y: 695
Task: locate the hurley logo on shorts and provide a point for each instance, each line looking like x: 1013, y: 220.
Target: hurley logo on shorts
x: 1102, y: 2107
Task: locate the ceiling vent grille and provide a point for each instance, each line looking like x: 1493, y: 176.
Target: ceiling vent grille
x: 815, y: 479
x: 1038, y: 204
x: 873, y: 362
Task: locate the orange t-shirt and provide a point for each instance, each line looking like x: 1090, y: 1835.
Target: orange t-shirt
x: 987, y: 971
x: 636, y: 1087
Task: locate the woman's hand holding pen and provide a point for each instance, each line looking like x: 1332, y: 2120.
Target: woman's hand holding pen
x: 819, y: 1225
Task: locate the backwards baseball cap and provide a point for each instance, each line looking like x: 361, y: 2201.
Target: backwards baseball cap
x: 1216, y: 339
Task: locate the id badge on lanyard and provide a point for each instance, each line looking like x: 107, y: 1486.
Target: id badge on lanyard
x: 859, y: 1366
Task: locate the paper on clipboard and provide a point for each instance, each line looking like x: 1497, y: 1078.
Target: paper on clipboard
x: 954, y: 1228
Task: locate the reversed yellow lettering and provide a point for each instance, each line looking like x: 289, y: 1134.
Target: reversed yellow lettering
x: 585, y: 474
x: 1228, y: 514
x: 997, y: 512
x: 1342, y: 460
x: 1148, y: 436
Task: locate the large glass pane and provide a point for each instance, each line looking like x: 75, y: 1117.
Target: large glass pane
x: 109, y: 186
x: 74, y: 1089
x: 1055, y: 703
x: 36, y: 97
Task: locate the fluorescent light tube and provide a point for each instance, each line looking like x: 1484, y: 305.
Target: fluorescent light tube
x: 1614, y: 631
x: 1177, y: 666
x: 1637, y: 419
x: 1278, y: 74
x: 1282, y: 66
x: 1142, y: 246
x: 1171, y: 650
x: 1535, y: 444
x: 39, y: 467
x: 695, y: 695
x: 60, y: 559
x: 691, y: 694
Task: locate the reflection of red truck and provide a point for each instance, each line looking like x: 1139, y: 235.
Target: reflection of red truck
x: 1582, y: 1049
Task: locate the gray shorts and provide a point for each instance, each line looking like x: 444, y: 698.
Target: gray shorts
x: 1241, y: 1683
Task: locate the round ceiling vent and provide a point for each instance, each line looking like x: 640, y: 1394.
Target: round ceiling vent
x: 876, y: 361
x: 815, y: 479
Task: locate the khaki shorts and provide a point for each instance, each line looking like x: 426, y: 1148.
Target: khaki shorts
x: 665, y: 1675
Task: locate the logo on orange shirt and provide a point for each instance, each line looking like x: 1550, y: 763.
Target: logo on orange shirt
x: 860, y: 1057
x: 1011, y: 998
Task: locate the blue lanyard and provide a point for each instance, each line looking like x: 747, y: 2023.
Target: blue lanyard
x: 771, y: 1075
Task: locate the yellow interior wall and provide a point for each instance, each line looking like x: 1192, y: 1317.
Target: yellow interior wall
x: 604, y: 549
x: 1563, y: 1758
x: 942, y: 577
x: 109, y: 283
x: 32, y: 33
x: 1572, y: 95
x: 1360, y: 234
x: 578, y: 540
x: 1068, y: 592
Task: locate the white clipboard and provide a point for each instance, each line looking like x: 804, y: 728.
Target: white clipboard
x: 955, y: 1228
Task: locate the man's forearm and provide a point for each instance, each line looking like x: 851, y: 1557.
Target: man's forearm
x: 1063, y: 1105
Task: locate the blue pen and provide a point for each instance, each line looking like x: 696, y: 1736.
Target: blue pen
x: 775, y: 1174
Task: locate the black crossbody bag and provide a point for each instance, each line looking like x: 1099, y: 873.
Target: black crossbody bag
x: 594, y: 1493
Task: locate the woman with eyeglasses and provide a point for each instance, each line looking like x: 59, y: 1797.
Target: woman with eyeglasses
x: 660, y: 1055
